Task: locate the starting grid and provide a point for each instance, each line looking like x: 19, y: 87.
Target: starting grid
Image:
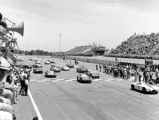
x: 71, y: 80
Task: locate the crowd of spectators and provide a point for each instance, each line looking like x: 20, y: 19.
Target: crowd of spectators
x: 14, y: 81
x: 126, y: 72
x: 139, y: 45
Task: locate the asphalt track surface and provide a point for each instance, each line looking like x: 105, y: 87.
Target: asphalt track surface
x: 64, y: 98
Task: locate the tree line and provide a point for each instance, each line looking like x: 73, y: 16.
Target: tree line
x: 36, y: 52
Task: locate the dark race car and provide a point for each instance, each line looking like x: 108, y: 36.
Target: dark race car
x: 27, y: 67
x: 50, y: 74
x: 84, y: 78
x: 70, y: 65
x: 37, y: 69
x: 82, y: 69
x: 51, y: 61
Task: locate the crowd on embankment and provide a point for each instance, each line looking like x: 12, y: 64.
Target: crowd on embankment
x: 139, y: 45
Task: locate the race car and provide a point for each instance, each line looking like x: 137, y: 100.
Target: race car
x: 50, y: 74
x: 27, y: 67
x: 94, y: 75
x: 56, y: 69
x: 70, y: 65
x: 37, y: 62
x: 30, y: 59
x: 47, y: 62
x: 84, y: 78
x: 65, y: 68
x: 145, y: 87
x: 37, y: 69
x: 81, y: 69
x: 51, y: 61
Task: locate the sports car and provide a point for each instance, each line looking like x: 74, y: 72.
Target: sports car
x: 81, y: 69
x: 70, y: 65
x: 47, y: 62
x: 50, y: 74
x: 94, y: 75
x: 145, y: 87
x: 51, y: 61
x: 56, y: 69
x: 37, y: 62
x: 37, y: 69
x: 65, y: 68
x: 84, y: 78
x: 30, y: 59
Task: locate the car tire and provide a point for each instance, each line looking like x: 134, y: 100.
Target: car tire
x: 132, y: 87
x: 144, y: 90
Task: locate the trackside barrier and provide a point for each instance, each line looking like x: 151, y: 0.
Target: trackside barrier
x: 109, y: 60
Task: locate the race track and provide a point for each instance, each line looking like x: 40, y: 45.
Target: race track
x: 64, y: 98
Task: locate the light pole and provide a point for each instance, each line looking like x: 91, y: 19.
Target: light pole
x: 60, y: 46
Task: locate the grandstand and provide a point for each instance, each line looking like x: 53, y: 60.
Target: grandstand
x: 139, y: 45
x: 87, y: 50
x: 79, y: 50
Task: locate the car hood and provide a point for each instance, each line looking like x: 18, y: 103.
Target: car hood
x: 50, y: 73
x: 84, y: 76
x: 65, y: 68
x: 151, y: 87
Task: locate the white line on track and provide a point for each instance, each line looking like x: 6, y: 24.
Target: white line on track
x: 35, y: 106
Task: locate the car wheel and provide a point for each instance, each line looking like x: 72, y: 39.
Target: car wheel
x: 132, y: 87
x: 144, y: 90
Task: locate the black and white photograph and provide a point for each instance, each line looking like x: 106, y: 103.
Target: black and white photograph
x: 79, y: 60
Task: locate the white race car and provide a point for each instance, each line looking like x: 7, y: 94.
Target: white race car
x: 65, y: 68
x: 145, y: 87
x: 37, y: 62
x: 47, y: 62
x: 50, y: 74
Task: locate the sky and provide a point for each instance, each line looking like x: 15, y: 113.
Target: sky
x: 80, y: 22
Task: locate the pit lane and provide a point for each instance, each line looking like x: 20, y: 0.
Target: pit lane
x: 107, y: 99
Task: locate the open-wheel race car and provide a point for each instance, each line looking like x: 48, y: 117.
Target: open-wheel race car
x: 82, y: 69
x: 84, y: 78
x: 50, y: 74
x: 145, y: 87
